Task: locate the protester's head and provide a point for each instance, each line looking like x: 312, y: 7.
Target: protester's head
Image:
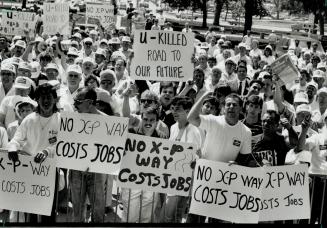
x: 241, y: 72
x: 315, y: 46
x: 180, y: 107
x: 230, y: 65
x: 211, y: 106
x: 319, y: 77
x: 74, y: 75
x: 311, y: 89
x: 107, y: 80
x: 268, y: 51
x: 85, y: 100
x: 255, y: 87
x: 92, y: 82
x: 100, y: 55
x: 304, y: 76
x: 198, y: 77
x: 44, y: 58
x: 226, y: 54
x: 167, y: 93
x: 215, y: 75
x: 87, y: 43
x: 120, y: 65
x: 307, y: 56
x: 114, y: 43
x: 203, y: 59
x: 19, y: 48
x: 22, y: 86
x: 253, y: 106
x: 125, y: 42
x: 52, y: 71
x: 46, y: 97
x: 232, y: 108
x: 88, y: 65
x: 242, y: 48
x: 212, y: 61
x: 149, y: 99
x: 322, y: 98
x: 255, y: 44
x: 266, y: 79
x: 270, y: 122
x: 300, y: 98
x: 94, y: 35
x: 24, y: 69
x: 24, y: 107
x: 149, y: 120
x: 303, y: 112
x: 8, y: 74
x: 102, y: 103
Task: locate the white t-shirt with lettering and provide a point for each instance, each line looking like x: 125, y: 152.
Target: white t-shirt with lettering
x: 224, y: 142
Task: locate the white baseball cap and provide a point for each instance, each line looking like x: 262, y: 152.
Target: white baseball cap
x: 312, y: 83
x: 20, y: 43
x: 318, y: 74
x: 22, y: 82
x: 303, y: 108
x: 74, y: 68
x: 301, y: 97
x: 8, y: 67
x: 100, y: 51
x: 72, y: 51
x: 126, y: 39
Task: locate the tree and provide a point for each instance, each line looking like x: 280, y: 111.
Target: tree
x: 24, y: 4
x: 318, y: 8
x: 277, y: 5
x: 253, y: 8
x: 193, y: 4
x: 218, y: 8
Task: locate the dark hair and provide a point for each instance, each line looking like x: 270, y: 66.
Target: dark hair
x: 89, y: 94
x: 120, y: 58
x: 277, y: 116
x: 150, y: 110
x: 199, y: 70
x: 106, y: 107
x: 234, y: 96
x: 164, y: 85
x: 240, y: 65
x: 184, y: 101
x: 45, y: 89
x: 212, y: 59
x: 256, y: 81
x: 223, y: 90
x: 254, y: 99
x: 90, y: 77
x: 214, y: 102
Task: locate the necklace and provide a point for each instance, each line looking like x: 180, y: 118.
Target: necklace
x: 46, y: 122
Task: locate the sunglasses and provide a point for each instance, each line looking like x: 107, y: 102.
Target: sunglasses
x: 106, y: 82
x: 143, y: 101
x: 6, y: 74
x: 73, y: 75
x: 72, y: 56
x: 78, y: 102
x: 88, y: 44
x: 47, y: 59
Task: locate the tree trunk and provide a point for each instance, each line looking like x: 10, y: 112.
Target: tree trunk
x: 321, y: 23
x: 277, y: 9
x: 204, y: 12
x: 218, y: 9
x: 249, y: 5
x: 315, y: 21
x: 226, y: 10
x: 24, y: 4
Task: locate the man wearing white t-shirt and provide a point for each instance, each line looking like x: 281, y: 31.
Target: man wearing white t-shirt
x: 226, y: 136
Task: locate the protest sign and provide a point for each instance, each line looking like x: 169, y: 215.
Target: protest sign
x: 91, y: 141
x: 230, y: 193
x: 286, y: 193
x: 249, y: 195
x: 27, y: 186
x: 157, y: 165
x: 162, y: 56
x: 103, y: 12
x: 285, y: 69
x: 56, y: 18
x: 15, y: 22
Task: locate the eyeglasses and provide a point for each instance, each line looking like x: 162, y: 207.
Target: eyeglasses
x: 80, y: 101
x: 72, y: 56
x: 47, y: 59
x: 143, y: 101
x: 106, y: 82
x: 88, y: 44
x: 73, y: 75
x: 6, y: 74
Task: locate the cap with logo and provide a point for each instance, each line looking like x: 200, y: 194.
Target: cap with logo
x: 114, y: 40
x: 52, y: 66
x: 303, y: 108
x: 8, y: 67
x: 126, y: 39
x: 22, y: 82
x: 231, y: 60
x: 301, y: 97
x: 72, y: 51
x: 312, y: 83
x: 74, y: 68
x: 88, y: 60
x: 100, y: 51
x: 24, y: 65
x: 20, y: 43
x: 318, y: 74
x: 88, y: 39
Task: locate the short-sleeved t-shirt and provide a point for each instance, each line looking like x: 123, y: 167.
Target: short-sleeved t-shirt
x: 274, y: 151
x: 224, y: 142
x: 317, y: 144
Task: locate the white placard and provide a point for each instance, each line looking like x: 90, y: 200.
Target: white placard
x: 56, y: 18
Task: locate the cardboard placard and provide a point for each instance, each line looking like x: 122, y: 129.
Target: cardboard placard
x: 157, y: 165
x: 91, y: 141
x: 56, y: 18
x: 249, y: 195
x: 27, y: 186
x: 103, y: 12
x: 15, y: 22
x: 162, y: 56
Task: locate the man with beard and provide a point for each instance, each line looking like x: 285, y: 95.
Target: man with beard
x: 37, y: 134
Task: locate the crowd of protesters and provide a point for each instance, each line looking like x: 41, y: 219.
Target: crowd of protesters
x: 235, y: 109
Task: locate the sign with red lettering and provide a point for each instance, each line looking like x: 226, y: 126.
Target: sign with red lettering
x: 158, y: 165
x: 27, y: 186
x: 248, y: 195
x: 91, y: 141
x: 162, y: 56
